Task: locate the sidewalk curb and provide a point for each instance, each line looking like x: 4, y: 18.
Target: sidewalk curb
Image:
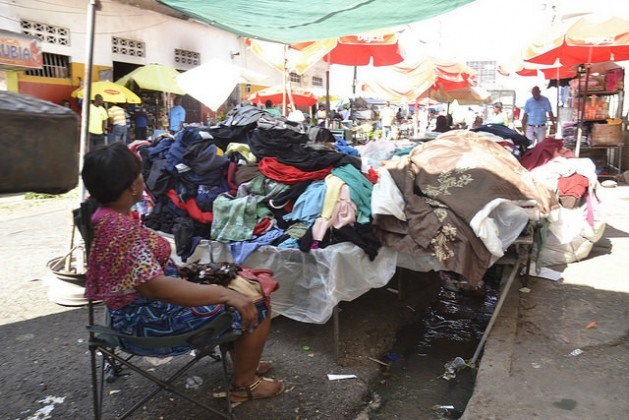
x: 497, y: 357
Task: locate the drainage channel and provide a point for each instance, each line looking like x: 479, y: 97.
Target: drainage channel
x: 413, y: 386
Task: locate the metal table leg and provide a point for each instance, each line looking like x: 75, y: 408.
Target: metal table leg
x: 503, y: 296
x: 335, y: 320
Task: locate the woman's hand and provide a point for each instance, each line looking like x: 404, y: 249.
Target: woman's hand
x: 246, y: 308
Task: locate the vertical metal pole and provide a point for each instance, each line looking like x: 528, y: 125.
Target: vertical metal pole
x: 416, y: 129
x: 327, y: 94
x: 351, y: 104
x: 284, y: 79
x: 337, y: 333
x: 558, y: 134
x: 87, y: 88
x: 577, y: 148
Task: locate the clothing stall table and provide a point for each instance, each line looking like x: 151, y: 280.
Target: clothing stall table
x: 312, y: 284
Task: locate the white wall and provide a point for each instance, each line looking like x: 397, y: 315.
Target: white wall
x: 161, y: 34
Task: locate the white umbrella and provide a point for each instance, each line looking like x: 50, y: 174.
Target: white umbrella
x: 212, y: 83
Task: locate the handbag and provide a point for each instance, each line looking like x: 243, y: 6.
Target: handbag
x: 256, y: 284
x: 261, y: 279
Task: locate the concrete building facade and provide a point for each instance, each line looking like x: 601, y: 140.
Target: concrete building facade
x: 126, y: 37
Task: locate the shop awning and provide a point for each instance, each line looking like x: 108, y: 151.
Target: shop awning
x: 291, y: 21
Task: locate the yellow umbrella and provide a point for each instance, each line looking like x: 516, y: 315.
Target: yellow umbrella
x: 154, y: 77
x: 111, y: 92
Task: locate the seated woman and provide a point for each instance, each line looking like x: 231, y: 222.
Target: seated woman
x: 442, y: 124
x: 128, y: 268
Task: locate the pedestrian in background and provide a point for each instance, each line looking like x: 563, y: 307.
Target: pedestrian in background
x: 322, y: 116
x: 176, y: 116
x: 141, y: 121
x: 386, y: 120
x: 497, y: 115
x: 97, y: 123
x: 268, y: 107
x: 119, y: 124
x: 442, y: 124
x: 534, y: 119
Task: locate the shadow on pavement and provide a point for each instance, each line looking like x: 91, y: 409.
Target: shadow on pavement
x: 48, y: 356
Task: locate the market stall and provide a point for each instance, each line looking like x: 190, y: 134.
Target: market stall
x: 596, y: 105
x: 278, y: 200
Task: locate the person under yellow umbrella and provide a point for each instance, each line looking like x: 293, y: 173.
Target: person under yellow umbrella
x: 103, y: 91
x: 97, y: 126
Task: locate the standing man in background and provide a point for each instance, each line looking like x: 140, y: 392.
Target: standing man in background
x: 176, y: 116
x: 322, y: 116
x: 98, y: 123
x: 268, y: 107
x: 119, y: 123
x: 141, y: 121
x: 386, y: 120
x: 534, y: 119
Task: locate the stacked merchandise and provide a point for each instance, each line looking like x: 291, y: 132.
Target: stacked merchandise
x: 257, y: 181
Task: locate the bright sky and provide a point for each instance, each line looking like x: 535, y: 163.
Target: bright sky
x: 491, y: 30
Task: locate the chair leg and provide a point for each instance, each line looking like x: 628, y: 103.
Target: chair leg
x: 162, y: 385
x: 224, y: 349
x: 96, y: 390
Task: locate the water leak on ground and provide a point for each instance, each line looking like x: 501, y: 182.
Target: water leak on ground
x: 413, y: 386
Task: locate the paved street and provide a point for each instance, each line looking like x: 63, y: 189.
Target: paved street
x: 525, y: 371
x: 562, y: 350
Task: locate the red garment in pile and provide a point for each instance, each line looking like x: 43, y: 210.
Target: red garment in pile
x: 191, y: 206
x: 574, y: 185
x: 545, y: 150
x: 287, y: 174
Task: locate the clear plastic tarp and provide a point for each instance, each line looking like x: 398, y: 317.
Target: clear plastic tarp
x: 313, y: 283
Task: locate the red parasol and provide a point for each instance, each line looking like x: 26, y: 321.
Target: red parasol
x: 379, y: 48
x: 593, y: 38
x: 301, y: 97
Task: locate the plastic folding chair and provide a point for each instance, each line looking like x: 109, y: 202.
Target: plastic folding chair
x: 105, y: 341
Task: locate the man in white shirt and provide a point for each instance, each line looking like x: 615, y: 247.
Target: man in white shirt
x: 386, y: 119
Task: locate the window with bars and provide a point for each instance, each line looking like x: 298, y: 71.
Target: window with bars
x: 294, y: 77
x: 190, y: 58
x: 317, y: 81
x: 46, y: 33
x: 55, y: 65
x: 128, y: 47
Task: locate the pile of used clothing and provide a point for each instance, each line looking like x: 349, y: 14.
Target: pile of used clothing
x: 256, y: 180
x: 464, y: 199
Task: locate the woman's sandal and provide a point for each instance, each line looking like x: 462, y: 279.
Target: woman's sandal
x: 246, y: 393
x: 264, y: 366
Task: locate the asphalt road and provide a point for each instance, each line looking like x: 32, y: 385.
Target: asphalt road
x: 44, y: 361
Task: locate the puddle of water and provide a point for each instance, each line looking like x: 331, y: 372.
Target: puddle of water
x: 452, y: 326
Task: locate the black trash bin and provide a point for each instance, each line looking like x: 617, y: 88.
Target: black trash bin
x: 39, y: 145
